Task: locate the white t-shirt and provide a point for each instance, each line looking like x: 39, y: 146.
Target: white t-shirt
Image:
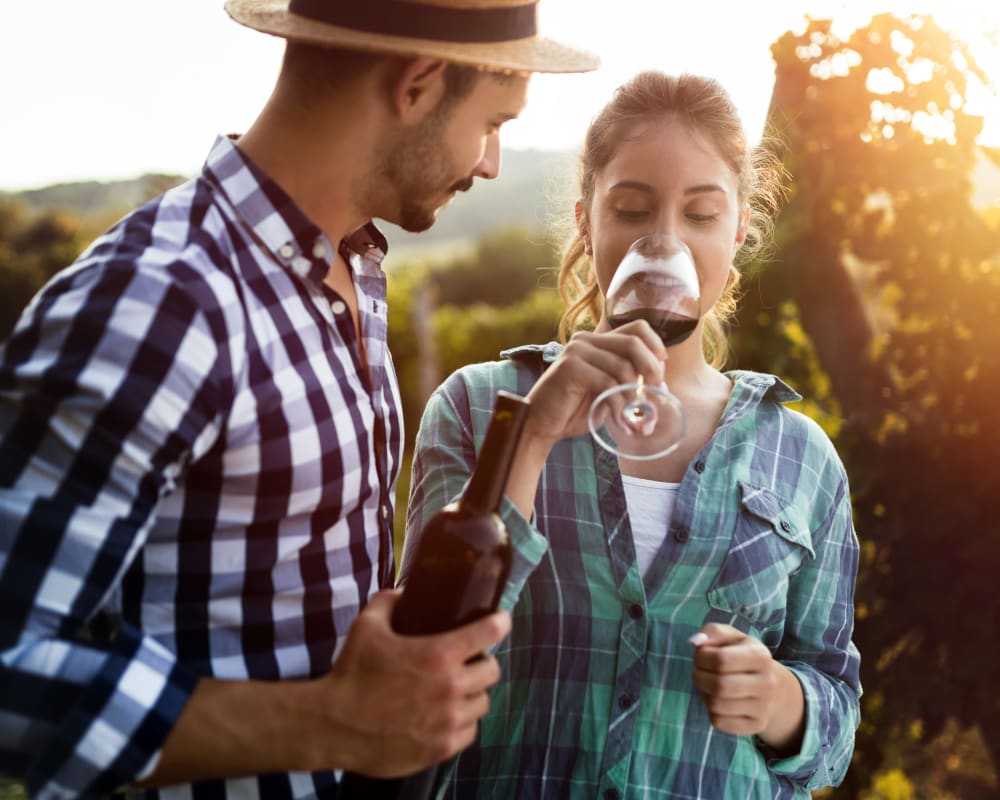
x: 650, y: 505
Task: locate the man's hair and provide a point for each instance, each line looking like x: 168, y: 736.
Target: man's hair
x: 316, y: 68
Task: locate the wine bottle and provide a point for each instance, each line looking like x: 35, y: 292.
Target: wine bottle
x: 459, y: 573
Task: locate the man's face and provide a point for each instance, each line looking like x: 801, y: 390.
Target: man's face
x: 425, y: 165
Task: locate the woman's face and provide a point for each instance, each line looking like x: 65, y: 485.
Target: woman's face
x: 666, y: 178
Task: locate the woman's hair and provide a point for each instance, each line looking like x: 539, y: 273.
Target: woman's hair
x: 706, y: 107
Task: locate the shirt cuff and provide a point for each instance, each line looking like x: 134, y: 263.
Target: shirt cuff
x: 805, y: 760
x: 528, y: 546
x: 114, y: 734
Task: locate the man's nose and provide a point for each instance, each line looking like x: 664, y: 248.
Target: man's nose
x: 489, y: 165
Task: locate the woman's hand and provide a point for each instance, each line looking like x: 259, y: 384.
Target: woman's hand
x: 745, y: 690
x: 589, y: 364
x: 560, y: 400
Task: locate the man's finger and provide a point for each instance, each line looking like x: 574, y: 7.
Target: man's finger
x: 469, y: 641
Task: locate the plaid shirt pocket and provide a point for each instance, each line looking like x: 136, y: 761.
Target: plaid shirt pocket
x: 769, y: 544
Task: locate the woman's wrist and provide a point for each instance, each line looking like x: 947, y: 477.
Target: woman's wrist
x: 786, y: 727
x: 526, y: 470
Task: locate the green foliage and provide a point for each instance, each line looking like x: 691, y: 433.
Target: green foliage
x: 479, y: 333
x: 33, y: 247
x: 506, y: 265
x: 469, y: 308
x: 460, y: 336
x: 894, y: 279
x: 463, y: 311
x: 12, y: 791
x: 408, y: 339
x: 953, y: 765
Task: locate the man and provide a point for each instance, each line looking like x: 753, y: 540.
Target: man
x: 200, y: 436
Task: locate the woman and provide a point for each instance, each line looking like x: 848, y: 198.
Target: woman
x: 682, y: 626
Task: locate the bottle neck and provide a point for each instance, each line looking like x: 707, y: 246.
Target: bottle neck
x: 485, y: 489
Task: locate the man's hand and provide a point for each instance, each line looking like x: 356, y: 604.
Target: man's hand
x: 389, y: 706
x: 745, y: 690
x: 396, y: 704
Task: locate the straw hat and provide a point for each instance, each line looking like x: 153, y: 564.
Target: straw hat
x: 495, y: 34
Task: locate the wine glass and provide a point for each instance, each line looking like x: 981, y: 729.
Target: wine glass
x: 655, y: 281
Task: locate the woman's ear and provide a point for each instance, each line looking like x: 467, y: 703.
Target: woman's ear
x: 743, y: 228
x: 582, y: 226
x: 418, y: 87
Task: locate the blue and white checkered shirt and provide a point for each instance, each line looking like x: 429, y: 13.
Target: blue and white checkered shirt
x: 190, y: 446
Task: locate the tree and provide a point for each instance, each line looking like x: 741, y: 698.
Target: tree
x: 895, y: 281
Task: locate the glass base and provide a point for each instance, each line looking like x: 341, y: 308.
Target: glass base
x: 637, y: 421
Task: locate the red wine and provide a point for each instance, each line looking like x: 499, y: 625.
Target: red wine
x: 460, y: 569
x: 670, y: 327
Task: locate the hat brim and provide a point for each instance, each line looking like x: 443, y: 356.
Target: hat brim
x: 534, y: 54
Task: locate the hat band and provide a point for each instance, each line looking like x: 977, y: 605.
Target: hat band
x: 422, y: 20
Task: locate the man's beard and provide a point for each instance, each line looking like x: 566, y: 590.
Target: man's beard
x: 416, y: 167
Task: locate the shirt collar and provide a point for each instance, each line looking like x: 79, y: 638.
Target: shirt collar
x: 277, y: 222
x: 763, y: 384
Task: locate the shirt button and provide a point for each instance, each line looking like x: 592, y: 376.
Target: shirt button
x: 286, y: 251
x: 681, y: 534
x: 385, y: 512
x: 319, y: 250
x: 699, y: 466
x: 338, y: 306
x: 611, y: 794
x: 786, y: 527
x: 635, y: 611
x: 625, y: 702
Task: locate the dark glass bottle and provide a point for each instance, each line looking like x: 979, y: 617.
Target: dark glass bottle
x: 459, y: 572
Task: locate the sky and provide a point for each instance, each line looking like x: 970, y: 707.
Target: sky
x: 112, y: 89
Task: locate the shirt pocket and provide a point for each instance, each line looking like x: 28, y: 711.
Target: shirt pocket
x: 770, y: 542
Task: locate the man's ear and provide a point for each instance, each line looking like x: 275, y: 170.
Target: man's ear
x: 418, y: 87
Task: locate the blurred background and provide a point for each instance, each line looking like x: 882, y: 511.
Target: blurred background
x: 879, y: 302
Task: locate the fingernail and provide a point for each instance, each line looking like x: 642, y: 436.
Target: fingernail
x: 698, y: 639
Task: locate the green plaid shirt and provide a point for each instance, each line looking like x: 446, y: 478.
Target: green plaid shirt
x: 597, y: 698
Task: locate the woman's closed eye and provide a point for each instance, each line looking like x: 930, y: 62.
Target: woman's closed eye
x: 702, y: 218
x: 631, y: 213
